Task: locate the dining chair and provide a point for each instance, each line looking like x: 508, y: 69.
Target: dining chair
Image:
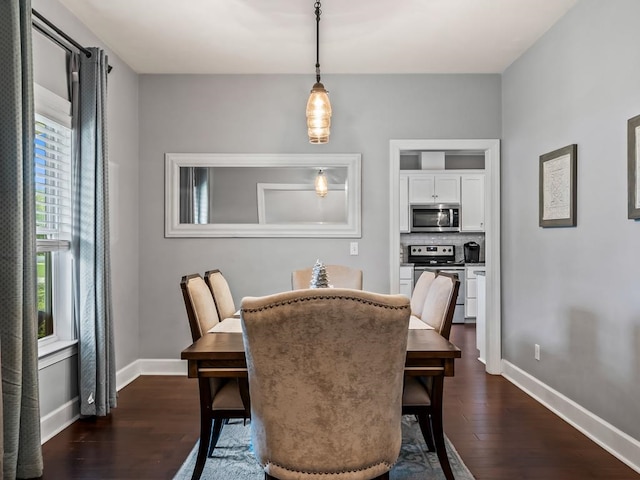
x: 220, y: 398
x: 419, y: 294
x: 221, y: 292
x: 422, y: 396
x: 340, y: 276
x: 325, y: 373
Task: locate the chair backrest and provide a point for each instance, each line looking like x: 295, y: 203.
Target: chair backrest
x: 340, y: 276
x: 221, y: 293
x: 326, y: 392
x: 419, y: 293
x: 440, y: 303
x: 199, y: 303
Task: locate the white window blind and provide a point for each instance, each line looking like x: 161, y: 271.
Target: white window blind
x: 52, y: 156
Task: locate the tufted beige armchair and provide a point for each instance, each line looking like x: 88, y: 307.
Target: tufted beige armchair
x: 340, y: 276
x: 220, y: 398
x: 325, y: 373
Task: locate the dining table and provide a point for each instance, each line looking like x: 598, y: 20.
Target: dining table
x: 220, y: 353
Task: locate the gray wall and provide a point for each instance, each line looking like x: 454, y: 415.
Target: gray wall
x: 58, y: 381
x: 575, y: 291
x: 265, y: 114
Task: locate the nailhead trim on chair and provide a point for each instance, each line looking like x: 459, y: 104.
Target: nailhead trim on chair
x: 326, y: 297
x: 386, y: 464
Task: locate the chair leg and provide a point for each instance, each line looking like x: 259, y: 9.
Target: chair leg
x: 438, y: 429
x: 205, y: 435
x: 215, y: 434
x: 424, y: 420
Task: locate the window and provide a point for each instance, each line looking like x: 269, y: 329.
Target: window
x: 52, y: 168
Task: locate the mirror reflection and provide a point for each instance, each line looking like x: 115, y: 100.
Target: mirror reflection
x: 269, y: 195
x: 262, y: 195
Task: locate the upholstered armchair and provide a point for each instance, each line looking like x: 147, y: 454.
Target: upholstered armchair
x: 422, y: 396
x: 221, y: 293
x: 325, y: 373
x: 220, y: 398
x: 340, y: 276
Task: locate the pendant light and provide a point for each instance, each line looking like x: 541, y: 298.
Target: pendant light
x: 321, y: 184
x: 318, y: 106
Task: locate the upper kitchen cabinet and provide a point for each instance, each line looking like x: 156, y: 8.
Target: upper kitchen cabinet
x: 404, y: 203
x: 434, y: 188
x: 472, y: 204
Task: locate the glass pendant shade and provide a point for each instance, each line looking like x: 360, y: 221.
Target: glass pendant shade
x: 318, y: 115
x: 322, y: 186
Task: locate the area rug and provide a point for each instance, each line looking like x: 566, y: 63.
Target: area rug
x: 234, y: 460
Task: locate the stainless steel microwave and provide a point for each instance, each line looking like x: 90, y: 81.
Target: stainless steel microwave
x: 435, y: 218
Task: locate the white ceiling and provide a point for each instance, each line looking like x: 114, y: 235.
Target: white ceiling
x: 356, y: 36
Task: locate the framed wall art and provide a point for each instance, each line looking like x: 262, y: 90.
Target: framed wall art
x: 633, y: 152
x: 558, y: 179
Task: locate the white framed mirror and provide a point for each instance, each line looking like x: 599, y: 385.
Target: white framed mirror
x: 261, y: 195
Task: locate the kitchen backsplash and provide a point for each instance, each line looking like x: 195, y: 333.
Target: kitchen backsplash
x: 457, y: 239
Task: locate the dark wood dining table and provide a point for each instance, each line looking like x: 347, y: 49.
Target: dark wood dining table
x: 222, y: 355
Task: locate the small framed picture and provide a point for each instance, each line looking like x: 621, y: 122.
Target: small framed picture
x: 558, y: 179
x: 633, y: 152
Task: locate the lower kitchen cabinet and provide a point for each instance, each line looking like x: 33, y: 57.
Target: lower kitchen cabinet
x: 406, y: 280
x: 471, y: 291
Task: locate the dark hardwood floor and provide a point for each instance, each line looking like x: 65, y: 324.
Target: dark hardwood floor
x: 499, y: 431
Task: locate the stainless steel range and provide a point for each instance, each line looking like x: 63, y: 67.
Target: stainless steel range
x: 439, y: 258
x: 438, y: 255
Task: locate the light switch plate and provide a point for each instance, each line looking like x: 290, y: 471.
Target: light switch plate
x: 353, y: 248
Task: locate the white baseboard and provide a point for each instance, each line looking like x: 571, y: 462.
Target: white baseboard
x: 162, y: 366
x: 128, y: 374
x: 65, y: 415
x: 59, y: 419
x: 149, y: 366
x: 613, y: 440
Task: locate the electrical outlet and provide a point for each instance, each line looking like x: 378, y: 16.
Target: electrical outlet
x: 353, y: 248
x: 536, y: 353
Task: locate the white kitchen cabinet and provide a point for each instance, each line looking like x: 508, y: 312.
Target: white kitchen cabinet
x: 471, y: 291
x: 404, y: 203
x: 406, y: 280
x: 434, y: 188
x: 472, y: 203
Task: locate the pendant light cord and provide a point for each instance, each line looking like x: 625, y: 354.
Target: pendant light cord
x: 318, y: 12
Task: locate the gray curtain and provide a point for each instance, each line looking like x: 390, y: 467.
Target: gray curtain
x: 22, y: 455
x: 91, y: 243
x: 196, y: 199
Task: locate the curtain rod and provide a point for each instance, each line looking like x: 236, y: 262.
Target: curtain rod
x: 62, y: 34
